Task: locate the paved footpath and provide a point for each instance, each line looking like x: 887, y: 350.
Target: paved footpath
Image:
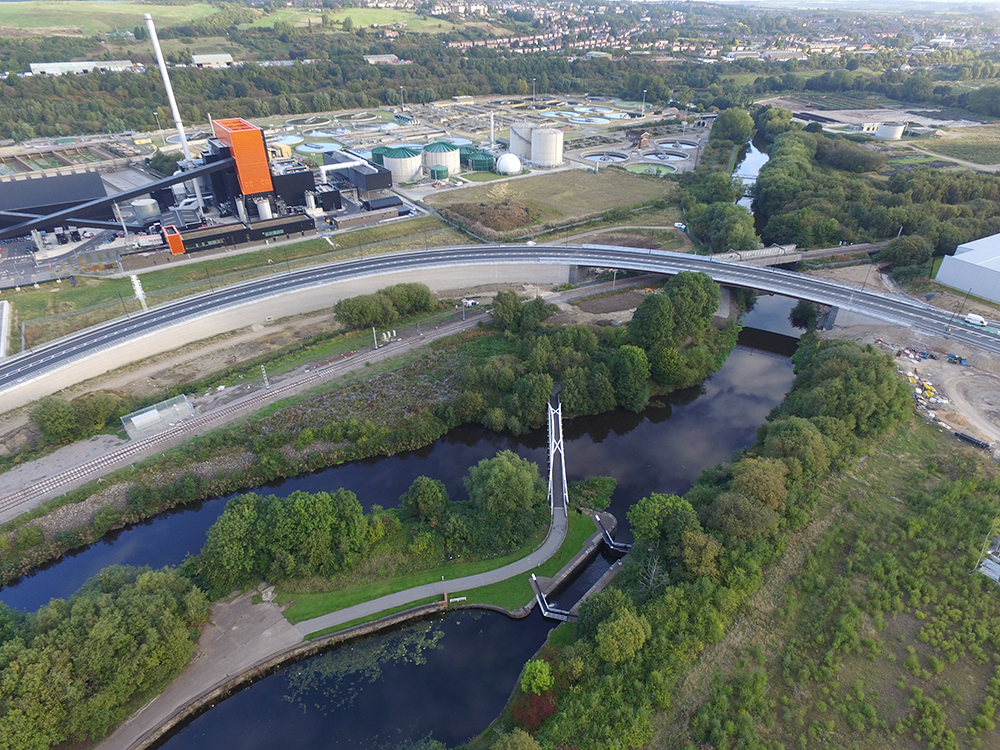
x: 553, y: 541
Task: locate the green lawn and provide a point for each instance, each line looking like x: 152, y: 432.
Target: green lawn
x: 360, y: 16
x: 516, y: 592
x: 513, y: 593
x: 72, y: 17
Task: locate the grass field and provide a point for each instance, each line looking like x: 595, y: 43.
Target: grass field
x: 95, y: 300
x: 73, y: 17
x: 362, y: 17
x: 561, y: 196
x: 307, y: 606
x: 978, y: 145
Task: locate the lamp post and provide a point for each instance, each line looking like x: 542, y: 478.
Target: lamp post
x: 401, y: 99
x: 158, y: 128
x: 644, y: 101
x: 532, y: 93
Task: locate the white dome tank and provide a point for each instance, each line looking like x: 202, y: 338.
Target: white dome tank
x: 547, y: 147
x: 520, y: 140
x: 405, y: 164
x: 508, y: 164
x: 145, y: 210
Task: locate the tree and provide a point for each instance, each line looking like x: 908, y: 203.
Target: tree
x: 348, y: 24
x: 653, y: 322
x: 733, y: 124
x: 425, y: 499
x: 739, y: 517
x: 665, y: 365
x: 908, y: 250
x: 504, y: 485
x: 701, y: 554
x: 660, y: 519
x: 517, y: 739
x: 630, y: 377
x: 620, y: 638
x: 22, y: 132
x: 799, y: 443
x: 56, y: 419
x: 537, y: 677
x: 228, y: 559
x: 762, y: 480
x: 507, y: 310
x: 804, y: 315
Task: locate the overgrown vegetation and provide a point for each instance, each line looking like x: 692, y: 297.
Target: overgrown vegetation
x: 73, y: 669
x: 699, y: 557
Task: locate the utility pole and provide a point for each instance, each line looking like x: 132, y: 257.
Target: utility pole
x: 375, y: 337
x: 644, y: 101
x: 532, y: 93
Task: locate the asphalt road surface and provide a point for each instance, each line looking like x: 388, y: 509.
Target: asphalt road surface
x: 91, y: 342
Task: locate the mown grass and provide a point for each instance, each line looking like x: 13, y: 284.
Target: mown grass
x: 982, y: 148
x: 89, y: 18
x: 308, y: 606
x: 96, y: 300
x: 516, y: 592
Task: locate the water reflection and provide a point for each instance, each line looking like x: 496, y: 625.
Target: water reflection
x: 434, y: 678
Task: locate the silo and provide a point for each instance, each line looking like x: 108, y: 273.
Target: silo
x: 520, y: 140
x: 378, y: 152
x: 439, y: 172
x: 405, y: 165
x: 546, y: 147
x: 145, y: 210
x: 465, y: 154
x: 264, y: 209
x: 890, y: 131
x: 442, y: 154
x: 481, y: 162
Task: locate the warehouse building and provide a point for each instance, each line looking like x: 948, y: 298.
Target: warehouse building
x: 975, y: 268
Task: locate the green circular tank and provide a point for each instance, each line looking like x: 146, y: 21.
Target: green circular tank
x: 377, y: 153
x: 465, y: 153
x: 481, y: 162
x: 439, y: 172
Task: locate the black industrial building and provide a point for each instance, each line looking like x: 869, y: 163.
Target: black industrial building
x: 366, y: 177
x: 237, y: 234
x: 51, y: 193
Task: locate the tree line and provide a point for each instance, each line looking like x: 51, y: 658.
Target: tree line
x: 698, y: 557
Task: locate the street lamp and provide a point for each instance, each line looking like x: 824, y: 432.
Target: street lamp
x: 157, y: 116
x: 532, y: 93
x: 400, y: 98
x: 644, y: 101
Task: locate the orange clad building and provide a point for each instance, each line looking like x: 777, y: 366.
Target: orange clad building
x: 246, y: 142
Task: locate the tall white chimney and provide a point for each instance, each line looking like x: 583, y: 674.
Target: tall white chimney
x: 170, y: 98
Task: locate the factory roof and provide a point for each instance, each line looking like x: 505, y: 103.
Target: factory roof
x: 50, y: 190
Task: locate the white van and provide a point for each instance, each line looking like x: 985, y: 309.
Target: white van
x: 976, y: 320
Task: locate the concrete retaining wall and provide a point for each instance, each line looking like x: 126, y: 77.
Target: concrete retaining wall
x: 267, y: 311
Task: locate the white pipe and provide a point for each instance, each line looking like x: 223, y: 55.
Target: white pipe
x: 170, y: 98
x: 324, y: 168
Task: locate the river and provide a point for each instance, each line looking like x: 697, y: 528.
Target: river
x: 747, y: 168
x: 429, y: 678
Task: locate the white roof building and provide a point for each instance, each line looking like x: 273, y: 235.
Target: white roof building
x: 212, y: 61
x: 86, y: 66
x: 975, y: 268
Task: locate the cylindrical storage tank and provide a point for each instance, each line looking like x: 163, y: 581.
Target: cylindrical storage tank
x: 439, y: 172
x: 264, y: 209
x: 481, y: 162
x: 465, y: 153
x: 508, y: 164
x: 378, y: 152
x: 443, y: 154
x: 547, y: 147
x: 405, y: 164
x: 145, y: 210
x: 890, y: 131
x: 520, y: 140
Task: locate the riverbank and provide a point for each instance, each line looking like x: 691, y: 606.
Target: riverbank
x: 245, y: 640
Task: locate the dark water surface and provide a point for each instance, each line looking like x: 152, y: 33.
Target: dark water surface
x: 446, y: 678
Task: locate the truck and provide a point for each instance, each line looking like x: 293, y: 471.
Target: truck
x: 976, y: 320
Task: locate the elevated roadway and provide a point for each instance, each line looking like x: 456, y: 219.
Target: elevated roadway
x: 72, y: 350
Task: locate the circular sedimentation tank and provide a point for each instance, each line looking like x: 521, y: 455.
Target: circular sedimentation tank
x: 665, y: 155
x: 659, y: 170
x: 317, y: 148
x: 589, y: 120
x: 676, y: 144
x: 610, y: 157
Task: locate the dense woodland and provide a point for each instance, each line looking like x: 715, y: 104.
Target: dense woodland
x: 699, y: 557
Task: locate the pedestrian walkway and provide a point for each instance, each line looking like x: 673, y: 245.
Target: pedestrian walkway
x: 553, y: 541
